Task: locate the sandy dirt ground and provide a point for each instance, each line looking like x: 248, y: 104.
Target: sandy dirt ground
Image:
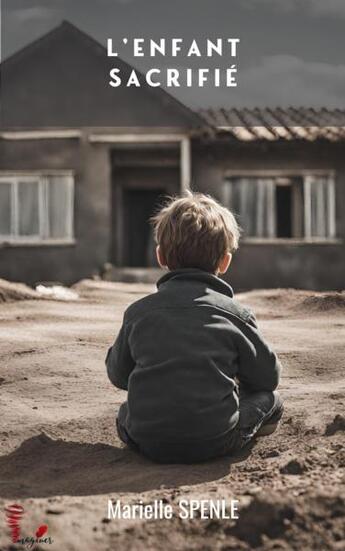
x: 61, y: 459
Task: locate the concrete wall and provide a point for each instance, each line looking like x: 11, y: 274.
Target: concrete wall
x: 313, y: 266
x: 65, y: 263
x: 96, y: 210
x: 309, y: 266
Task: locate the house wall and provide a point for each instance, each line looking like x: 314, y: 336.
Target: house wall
x: 313, y: 266
x: 299, y: 265
x: 96, y: 209
x: 62, y: 80
x: 64, y: 263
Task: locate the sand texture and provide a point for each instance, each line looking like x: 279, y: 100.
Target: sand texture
x: 61, y: 459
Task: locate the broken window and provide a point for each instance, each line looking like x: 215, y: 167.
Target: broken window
x: 283, y: 207
x: 36, y: 208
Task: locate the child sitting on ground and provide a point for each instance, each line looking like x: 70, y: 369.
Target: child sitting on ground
x: 200, y: 378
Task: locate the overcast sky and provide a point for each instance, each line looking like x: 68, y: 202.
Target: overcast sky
x: 291, y: 51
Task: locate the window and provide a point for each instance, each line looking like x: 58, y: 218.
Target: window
x: 36, y: 208
x: 283, y: 207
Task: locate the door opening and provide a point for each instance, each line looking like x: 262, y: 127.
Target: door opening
x: 138, y: 206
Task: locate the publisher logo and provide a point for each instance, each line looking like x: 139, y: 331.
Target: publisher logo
x: 14, y: 514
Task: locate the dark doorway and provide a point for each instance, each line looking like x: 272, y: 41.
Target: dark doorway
x: 284, y: 210
x: 138, y: 206
x: 141, y: 181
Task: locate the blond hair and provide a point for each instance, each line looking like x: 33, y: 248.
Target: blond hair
x: 195, y: 231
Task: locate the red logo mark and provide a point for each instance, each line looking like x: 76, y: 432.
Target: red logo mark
x: 14, y: 514
x: 41, y: 530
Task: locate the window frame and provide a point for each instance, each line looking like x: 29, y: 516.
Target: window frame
x: 305, y: 174
x: 42, y: 178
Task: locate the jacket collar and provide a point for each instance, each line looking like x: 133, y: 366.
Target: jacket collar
x: 193, y: 274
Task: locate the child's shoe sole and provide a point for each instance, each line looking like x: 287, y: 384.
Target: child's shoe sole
x: 266, y: 430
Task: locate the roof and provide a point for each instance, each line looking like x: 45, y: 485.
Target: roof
x: 275, y: 124
x: 67, y: 61
x: 243, y: 125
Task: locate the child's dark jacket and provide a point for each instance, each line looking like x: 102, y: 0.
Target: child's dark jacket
x: 178, y: 354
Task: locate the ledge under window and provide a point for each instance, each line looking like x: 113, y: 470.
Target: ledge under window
x: 290, y: 241
x: 37, y: 243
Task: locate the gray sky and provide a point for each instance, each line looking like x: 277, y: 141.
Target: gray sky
x: 291, y: 51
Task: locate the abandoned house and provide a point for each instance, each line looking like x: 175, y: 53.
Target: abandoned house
x: 83, y: 167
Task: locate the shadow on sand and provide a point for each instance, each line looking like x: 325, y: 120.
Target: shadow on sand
x: 42, y: 467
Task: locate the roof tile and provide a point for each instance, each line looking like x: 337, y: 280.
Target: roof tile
x: 278, y: 124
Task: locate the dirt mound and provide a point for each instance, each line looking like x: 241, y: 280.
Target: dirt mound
x: 267, y: 516
x: 269, y: 521
x: 267, y: 303
x: 324, y: 302
x: 11, y: 292
x: 281, y: 302
x: 272, y: 296
x: 313, y: 522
